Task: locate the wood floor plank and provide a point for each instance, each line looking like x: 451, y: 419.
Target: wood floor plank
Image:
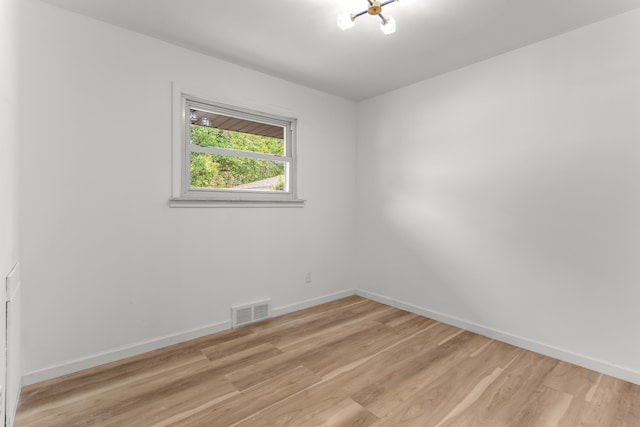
x: 292, y: 339
x: 512, y: 389
x: 346, y: 413
x: 369, y: 305
x: 547, y: 407
x: 94, y: 379
x: 574, y: 380
x: 628, y: 413
x: 585, y: 414
x: 469, y: 377
x: 350, y: 362
x: 325, y: 360
x: 307, y: 313
x: 265, y: 369
x: 286, y: 331
x: 379, y: 366
x: 409, y: 325
x: 50, y: 394
x: 395, y: 317
x: 329, y: 392
x: 149, y: 411
x: 243, y: 358
x: 98, y: 408
x: 290, y: 412
x: 248, y: 402
x: 389, y: 394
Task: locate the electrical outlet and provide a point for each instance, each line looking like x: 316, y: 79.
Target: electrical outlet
x: 307, y: 278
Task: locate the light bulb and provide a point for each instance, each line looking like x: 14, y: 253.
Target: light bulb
x: 346, y: 20
x: 388, y: 26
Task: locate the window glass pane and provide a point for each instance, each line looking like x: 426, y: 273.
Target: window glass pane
x: 215, y: 130
x: 236, y: 173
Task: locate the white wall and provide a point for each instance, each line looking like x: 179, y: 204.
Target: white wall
x: 9, y: 246
x: 505, y: 196
x: 106, y: 263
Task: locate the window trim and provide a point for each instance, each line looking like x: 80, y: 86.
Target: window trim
x: 185, y: 196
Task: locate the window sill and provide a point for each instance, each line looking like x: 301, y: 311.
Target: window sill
x: 183, y: 202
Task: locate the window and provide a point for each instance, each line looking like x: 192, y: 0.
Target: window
x: 236, y: 156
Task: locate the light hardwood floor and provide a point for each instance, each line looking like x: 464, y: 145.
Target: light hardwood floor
x: 351, y: 362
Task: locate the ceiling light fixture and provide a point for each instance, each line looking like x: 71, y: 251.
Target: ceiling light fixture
x: 347, y: 19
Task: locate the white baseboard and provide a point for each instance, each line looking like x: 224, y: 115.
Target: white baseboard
x: 115, y: 354
x: 538, y: 347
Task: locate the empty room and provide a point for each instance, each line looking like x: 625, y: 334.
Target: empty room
x: 320, y: 213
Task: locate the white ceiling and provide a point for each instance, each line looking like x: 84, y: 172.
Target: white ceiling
x: 299, y: 40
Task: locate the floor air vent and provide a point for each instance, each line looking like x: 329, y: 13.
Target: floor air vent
x: 248, y: 313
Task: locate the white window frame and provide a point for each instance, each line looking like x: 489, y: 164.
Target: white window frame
x: 185, y: 196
